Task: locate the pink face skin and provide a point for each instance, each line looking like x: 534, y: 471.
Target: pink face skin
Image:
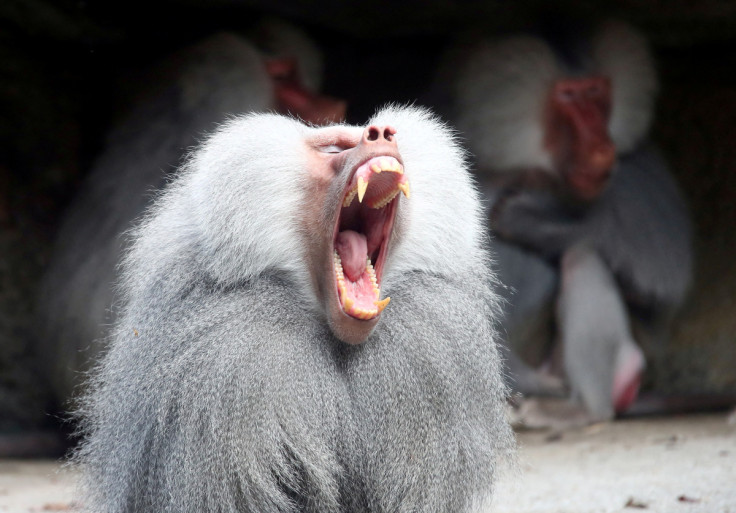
x: 630, y: 365
x: 577, y: 134
x: 339, y: 220
x: 292, y: 98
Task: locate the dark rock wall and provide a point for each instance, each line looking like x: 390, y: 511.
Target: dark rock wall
x: 696, y: 126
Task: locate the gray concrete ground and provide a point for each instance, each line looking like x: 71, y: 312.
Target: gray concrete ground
x: 665, y: 465
x: 668, y: 465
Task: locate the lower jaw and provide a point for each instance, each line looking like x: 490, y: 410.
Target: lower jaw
x: 350, y: 330
x: 364, y: 303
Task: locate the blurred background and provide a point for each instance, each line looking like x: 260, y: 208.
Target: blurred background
x: 68, y: 71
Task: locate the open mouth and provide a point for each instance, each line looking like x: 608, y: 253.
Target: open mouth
x: 362, y: 233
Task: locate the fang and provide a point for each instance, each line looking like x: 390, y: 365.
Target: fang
x: 382, y: 304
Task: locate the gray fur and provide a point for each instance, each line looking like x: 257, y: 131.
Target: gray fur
x: 594, y: 327
x: 195, y: 91
x: 641, y: 230
x: 639, y: 227
x: 527, y: 285
x: 234, y: 396
x: 277, y: 38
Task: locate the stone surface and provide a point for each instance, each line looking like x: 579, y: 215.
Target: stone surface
x: 679, y: 464
x: 664, y: 465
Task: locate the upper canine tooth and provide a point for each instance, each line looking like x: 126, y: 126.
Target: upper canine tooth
x: 404, y: 187
x: 362, y: 186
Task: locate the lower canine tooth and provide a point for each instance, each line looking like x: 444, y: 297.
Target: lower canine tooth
x: 382, y: 304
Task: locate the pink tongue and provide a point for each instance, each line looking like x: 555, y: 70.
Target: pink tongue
x: 353, y: 250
